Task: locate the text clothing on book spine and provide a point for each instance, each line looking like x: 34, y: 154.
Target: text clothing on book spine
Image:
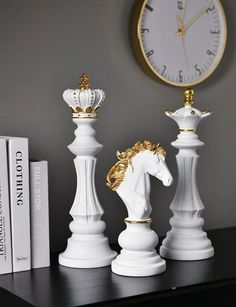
x: 19, y: 199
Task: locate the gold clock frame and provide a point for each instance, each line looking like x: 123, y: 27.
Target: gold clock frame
x: 136, y: 43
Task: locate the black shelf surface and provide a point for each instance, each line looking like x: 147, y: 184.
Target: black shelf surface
x: 210, y: 282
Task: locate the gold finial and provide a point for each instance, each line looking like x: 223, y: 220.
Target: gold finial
x: 188, y: 97
x: 84, y: 85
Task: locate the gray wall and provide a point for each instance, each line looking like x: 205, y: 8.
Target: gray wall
x: 45, y: 45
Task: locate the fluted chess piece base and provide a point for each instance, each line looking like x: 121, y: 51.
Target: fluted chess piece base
x: 138, y: 256
x: 186, y: 240
x: 89, y: 249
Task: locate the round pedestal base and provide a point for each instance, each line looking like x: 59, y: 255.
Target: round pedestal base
x: 186, y: 241
x: 137, y: 264
x: 87, y: 251
x: 186, y: 255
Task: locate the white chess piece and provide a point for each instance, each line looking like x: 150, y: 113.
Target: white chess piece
x: 186, y: 240
x: 87, y: 247
x: 129, y: 177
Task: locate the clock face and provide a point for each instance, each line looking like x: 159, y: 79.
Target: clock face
x: 181, y: 42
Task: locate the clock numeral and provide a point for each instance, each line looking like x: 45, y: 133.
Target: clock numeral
x: 210, y: 9
x: 180, y: 5
x: 215, y: 31
x: 209, y: 52
x: 163, y: 70
x: 148, y: 7
x: 145, y: 30
x: 180, y: 76
x: 149, y: 53
x: 198, y: 69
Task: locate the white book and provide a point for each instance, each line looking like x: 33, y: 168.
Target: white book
x: 18, y: 162
x: 5, y: 227
x: 40, y: 251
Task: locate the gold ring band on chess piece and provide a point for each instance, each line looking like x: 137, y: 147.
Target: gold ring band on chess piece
x: 187, y: 130
x: 147, y: 221
x: 84, y: 115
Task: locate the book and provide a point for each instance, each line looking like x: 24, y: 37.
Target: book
x: 18, y: 167
x: 5, y: 227
x: 40, y: 251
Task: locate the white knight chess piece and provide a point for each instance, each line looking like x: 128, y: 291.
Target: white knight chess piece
x: 129, y: 177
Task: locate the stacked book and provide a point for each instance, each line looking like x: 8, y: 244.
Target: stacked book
x: 24, y: 219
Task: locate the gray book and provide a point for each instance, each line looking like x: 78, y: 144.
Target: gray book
x: 40, y: 252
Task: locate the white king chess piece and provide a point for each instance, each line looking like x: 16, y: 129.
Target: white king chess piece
x: 186, y: 240
x: 87, y: 247
x: 129, y: 177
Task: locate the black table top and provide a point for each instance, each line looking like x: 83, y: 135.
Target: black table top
x: 61, y: 286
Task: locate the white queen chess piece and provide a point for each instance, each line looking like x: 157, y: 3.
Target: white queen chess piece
x: 129, y: 177
x: 186, y: 240
x: 87, y: 247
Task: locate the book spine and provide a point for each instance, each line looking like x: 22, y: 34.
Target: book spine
x: 19, y: 199
x: 5, y: 227
x: 39, y: 214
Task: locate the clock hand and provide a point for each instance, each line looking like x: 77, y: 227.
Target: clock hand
x: 181, y: 36
x: 180, y: 20
x: 183, y: 12
x: 185, y: 52
x: 180, y: 32
x: 195, y: 18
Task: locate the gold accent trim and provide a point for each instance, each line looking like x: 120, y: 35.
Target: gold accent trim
x: 117, y: 173
x: 137, y: 46
x: 89, y: 112
x: 84, y: 115
x: 206, y: 111
x: 84, y: 84
x: 147, y: 221
x: 168, y: 112
x: 187, y: 130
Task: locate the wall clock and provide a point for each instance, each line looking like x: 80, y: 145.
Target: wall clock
x: 179, y: 42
